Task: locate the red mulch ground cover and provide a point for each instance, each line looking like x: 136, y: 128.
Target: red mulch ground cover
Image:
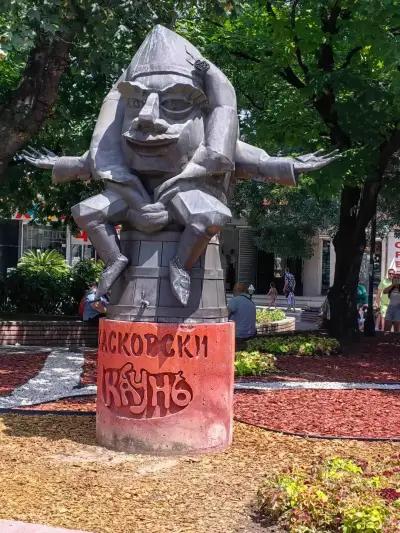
x: 373, y: 360
x: 82, y: 404
x: 89, y: 372
x: 18, y: 368
x: 353, y: 413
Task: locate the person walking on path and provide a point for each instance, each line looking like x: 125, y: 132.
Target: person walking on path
x: 272, y: 294
x: 243, y: 312
x: 382, y: 299
x: 288, y: 290
x: 392, y: 317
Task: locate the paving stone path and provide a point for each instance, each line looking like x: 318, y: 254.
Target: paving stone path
x: 316, y: 385
x: 59, y: 378
x: 11, y: 526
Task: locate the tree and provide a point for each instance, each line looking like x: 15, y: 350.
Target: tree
x: 57, y: 107
x: 281, y: 216
x: 319, y: 74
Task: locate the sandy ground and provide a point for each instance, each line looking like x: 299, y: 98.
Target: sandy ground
x: 52, y: 472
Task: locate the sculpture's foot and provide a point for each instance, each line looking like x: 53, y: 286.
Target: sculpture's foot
x: 110, y: 274
x: 180, y: 280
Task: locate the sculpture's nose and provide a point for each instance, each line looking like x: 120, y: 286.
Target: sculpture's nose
x: 148, y: 117
x: 150, y: 111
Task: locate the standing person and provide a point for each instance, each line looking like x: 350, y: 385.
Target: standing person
x: 382, y: 299
x: 243, y: 312
x: 94, y: 307
x: 362, y: 295
x: 230, y: 270
x: 392, y: 317
x: 272, y: 294
x: 288, y: 289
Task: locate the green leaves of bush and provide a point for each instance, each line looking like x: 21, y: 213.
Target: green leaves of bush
x: 266, y: 316
x: 295, y: 345
x: 339, y: 495
x: 43, y: 283
x: 253, y: 363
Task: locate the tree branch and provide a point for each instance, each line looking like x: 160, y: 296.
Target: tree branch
x: 299, y: 57
x: 244, y: 55
x: 350, y: 56
x: 252, y: 101
x: 290, y: 76
x: 31, y: 103
x: 270, y: 9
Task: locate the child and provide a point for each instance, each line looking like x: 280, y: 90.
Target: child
x: 272, y: 294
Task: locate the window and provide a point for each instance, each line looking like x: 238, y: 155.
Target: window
x: 43, y: 238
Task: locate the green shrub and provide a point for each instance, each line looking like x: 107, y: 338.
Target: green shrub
x: 265, y: 316
x: 338, y: 495
x: 253, y: 363
x: 83, y: 274
x: 35, y: 262
x: 40, y: 284
x: 294, y: 345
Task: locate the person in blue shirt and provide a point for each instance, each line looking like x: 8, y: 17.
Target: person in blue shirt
x: 94, y: 308
x: 243, y: 312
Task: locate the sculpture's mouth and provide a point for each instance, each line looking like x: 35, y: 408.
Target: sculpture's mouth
x: 146, y: 140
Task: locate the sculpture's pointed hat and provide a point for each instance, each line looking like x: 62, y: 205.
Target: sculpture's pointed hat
x: 165, y: 52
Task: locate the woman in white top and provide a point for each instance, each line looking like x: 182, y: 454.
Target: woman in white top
x: 392, y: 317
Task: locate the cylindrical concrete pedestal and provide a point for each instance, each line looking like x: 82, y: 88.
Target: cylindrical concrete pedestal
x: 165, y: 388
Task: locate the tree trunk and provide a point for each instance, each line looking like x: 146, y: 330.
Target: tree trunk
x: 358, y: 206
x: 31, y: 103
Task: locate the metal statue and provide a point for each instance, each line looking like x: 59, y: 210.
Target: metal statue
x: 166, y: 146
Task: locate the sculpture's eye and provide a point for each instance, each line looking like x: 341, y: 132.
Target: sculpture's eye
x: 135, y: 103
x: 176, y: 105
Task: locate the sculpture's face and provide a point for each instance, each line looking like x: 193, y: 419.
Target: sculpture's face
x: 163, y: 123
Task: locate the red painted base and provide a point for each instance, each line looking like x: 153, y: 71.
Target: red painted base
x: 165, y: 388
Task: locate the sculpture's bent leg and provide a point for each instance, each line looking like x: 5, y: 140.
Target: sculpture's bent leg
x: 203, y: 216
x: 96, y: 216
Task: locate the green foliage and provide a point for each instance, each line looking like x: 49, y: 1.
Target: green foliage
x: 339, y: 495
x: 253, y: 363
x: 83, y: 274
x: 368, y: 518
x: 43, y: 283
x: 40, y: 284
x: 35, y: 262
x: 281, y: 216
x: 266, y: 316
x: 111, y: 32
x: 311, y: 74
x: 310, y: 345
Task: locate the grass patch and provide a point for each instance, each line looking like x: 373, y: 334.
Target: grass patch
x: 310, y: 345
x: 341, y: 495
x: 253, y: 363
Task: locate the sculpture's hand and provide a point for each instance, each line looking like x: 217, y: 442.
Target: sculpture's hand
x: 149, y: 218
x: 44, y: 159
x: 314, y: 161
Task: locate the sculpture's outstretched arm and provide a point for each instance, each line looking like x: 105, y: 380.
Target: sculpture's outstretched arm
x: 64, y: 168
x: 253, y: 162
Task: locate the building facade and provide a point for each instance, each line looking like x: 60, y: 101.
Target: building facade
x: 241, y: 259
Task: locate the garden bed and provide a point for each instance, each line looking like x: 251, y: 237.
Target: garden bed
x: 327, y: 413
